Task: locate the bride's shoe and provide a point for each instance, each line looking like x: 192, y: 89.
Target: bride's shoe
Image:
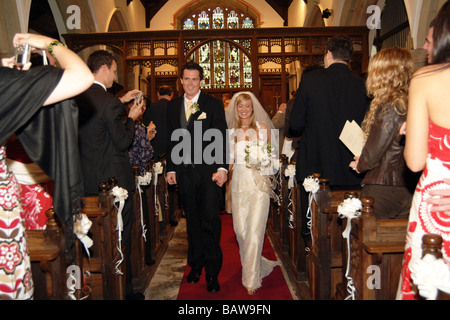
x: 251, y: 291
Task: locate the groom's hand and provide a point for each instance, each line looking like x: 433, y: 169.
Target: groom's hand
x: 220, y: 177
x: 171, y: 178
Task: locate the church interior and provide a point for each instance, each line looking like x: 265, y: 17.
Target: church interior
x: 261, y: 46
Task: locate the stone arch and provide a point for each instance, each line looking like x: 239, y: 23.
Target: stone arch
x: 118, y: 21
x: 314, y: 17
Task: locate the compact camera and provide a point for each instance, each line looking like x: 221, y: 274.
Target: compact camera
x: 139, y: 98
x: 23, y: 55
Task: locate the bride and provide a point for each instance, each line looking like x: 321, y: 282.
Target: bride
x: 251, y: 189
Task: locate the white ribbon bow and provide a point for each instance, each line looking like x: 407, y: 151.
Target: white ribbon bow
x: 350, y: 209
x: 120, y: 195
x: 81, y: 228
x: 290, y: 173
x: 157, y: 169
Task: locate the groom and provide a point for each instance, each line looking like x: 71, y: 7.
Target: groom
x: 199, y: 183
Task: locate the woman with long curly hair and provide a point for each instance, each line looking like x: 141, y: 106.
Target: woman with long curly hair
x: 387, y: 178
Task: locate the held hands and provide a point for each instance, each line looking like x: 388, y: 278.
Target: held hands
x: 354, y: 164
x: 220, y: 177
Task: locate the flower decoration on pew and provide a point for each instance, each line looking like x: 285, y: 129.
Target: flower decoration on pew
x: 120, y: 195
x: 311, y: 185
x: 290, y: 173
x: 350, y: 208
x: 430, y: 275
x: 81, y: 228
x: 144, y: 180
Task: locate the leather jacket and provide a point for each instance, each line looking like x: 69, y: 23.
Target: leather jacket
x: 382, y: 156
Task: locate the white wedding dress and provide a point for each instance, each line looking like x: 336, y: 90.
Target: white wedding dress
x: 250, y: 210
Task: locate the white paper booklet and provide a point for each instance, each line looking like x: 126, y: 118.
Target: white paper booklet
x: 353, y: 137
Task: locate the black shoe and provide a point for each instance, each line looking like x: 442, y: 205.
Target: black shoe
x: 135, y: 296
x: 173, y: 223
x: 212, y: 284
x: 194, y: 276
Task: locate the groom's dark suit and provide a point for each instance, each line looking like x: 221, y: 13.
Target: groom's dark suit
x: 104, y: 139
x: 199, y: 195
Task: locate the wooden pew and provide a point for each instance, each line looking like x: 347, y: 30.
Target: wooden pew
x: 48, y: 263
x: 326, y: 258
x: 105, y: 284
x: 377, y: 247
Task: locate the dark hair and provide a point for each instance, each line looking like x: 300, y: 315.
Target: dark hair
x: 441, y: 35
x: 165, y: 90
x: 191, y: 65
x: 99, y: 58
x: 341, y: 47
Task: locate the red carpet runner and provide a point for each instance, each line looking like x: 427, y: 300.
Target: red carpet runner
x: 274, y: 286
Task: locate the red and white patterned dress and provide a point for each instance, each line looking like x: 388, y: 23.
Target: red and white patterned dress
x: 421, y: 220
x: 15, y: 268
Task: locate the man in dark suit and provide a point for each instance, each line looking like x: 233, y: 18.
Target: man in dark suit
x: 199, y: 179
x: 104, y: 139
x: 325, y: 100
x: 157, y: 112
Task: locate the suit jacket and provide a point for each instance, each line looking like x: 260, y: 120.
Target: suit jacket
x: 157, y: 112
x: 325, y: 100
x: 104, y: 139
x: 213, y: 113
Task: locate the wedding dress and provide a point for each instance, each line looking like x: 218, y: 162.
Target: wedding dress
x: 250, y: 210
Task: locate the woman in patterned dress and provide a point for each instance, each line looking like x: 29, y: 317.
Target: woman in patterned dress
x: 428, y: 147
x: 23, y: 93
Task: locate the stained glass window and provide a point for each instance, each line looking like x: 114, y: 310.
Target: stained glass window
x: 225, y: 65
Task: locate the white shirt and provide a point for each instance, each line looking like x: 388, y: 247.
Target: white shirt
x: 100, y: 84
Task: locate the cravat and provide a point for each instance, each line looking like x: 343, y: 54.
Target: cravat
x: 189, y: 109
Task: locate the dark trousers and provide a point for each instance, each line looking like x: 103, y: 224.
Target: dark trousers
x: 200, y: 200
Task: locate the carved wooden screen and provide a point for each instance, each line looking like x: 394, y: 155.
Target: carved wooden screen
x: 272, y: 57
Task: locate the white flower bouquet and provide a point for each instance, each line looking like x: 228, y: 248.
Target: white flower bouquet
x: 258, y: 154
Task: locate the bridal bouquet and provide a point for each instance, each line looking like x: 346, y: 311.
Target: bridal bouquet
x: 258, y: 154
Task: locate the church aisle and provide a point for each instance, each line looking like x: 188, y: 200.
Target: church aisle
x: 171, y: 273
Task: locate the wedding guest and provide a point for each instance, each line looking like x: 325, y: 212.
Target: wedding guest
x: 250, y: 189
x: 199, y: 182
x: 427, y: 131
x: 104, y: 140
x: 387, y: 178
x: 325, y: 100
x: 23, y: 94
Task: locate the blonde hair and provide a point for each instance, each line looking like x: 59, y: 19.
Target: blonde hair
x: 389, y: 76
x: 239, y: 99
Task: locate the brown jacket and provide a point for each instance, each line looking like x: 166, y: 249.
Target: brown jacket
x: 382, y: 156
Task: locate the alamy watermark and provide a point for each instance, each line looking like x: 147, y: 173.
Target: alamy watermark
x: 74, y: 20
x: 374, y: 21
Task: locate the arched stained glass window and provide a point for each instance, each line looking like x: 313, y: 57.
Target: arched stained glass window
x: 224, y: 64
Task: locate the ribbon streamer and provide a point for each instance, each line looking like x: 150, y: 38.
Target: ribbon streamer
x: 120, y: 195
x: 350, y: 209
x: 143, y: 181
